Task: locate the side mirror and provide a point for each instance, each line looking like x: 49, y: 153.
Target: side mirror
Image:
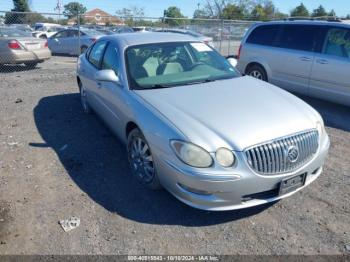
x: 107, y: 75
x: 232, y: 61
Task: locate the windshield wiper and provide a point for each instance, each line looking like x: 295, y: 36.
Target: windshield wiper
x: 156, y: 86
x: 201, y: 81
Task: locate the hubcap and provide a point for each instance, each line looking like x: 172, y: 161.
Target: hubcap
x: 256, y: 74
x: 141, y: 159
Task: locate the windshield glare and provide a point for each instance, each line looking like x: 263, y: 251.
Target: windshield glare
x: 173, y: 64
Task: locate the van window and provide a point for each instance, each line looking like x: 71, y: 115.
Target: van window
x: 264, y: 35
x: 338, y: 42
x: 299, y: 37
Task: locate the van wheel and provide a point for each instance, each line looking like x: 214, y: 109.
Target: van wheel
x: 141, y: 160
x: 258, y: 72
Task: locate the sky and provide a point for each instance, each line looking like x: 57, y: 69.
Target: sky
x: 155, y: 7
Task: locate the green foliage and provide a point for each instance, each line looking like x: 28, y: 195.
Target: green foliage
x: 72, y: 9
x: 19, y: 6
x: 300, y: 11
x: 332, y: 13
x: 319, y: 12
x: 173, y: 12
x: 232, y: 11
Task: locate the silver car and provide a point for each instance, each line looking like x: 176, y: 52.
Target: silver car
x: 68, y: 41
x: 308, y: 57
x: 194, y: 125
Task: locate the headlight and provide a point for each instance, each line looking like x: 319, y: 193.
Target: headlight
x: 225, y: 157
x: 191, y: 154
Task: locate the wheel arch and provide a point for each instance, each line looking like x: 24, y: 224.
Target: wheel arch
x: 131, y: 125
x: 263, y: 65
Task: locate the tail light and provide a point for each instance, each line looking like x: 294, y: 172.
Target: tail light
x: 239, y: 51
x: 46, y: 44
x: 206, y: 42
x: 13, y: 44
x: 93, y: 39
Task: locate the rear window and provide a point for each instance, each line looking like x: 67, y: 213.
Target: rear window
x: 11, y: 32
x: 264, y: 35
x: 299, y: 37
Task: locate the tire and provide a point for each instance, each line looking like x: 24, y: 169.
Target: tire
x: 83, y: 100
x: 31, y: 65
x: 83, y: 49
x: 141, y: 161
x: 258, y: 72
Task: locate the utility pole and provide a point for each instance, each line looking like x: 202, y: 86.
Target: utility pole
x: 58, y: 8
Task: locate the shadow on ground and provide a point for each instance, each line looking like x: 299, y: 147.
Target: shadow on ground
x: 96, y: 161
x: 16, y: 68
x: 334, y: 115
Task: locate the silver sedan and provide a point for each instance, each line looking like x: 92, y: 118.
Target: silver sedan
x: 194, y: 125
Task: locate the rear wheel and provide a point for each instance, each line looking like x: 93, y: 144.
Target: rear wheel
x: 141, y: 160
x: 258, y: 72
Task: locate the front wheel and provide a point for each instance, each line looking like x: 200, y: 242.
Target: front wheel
x: 83, y: 99
x: 141, y: 160
x: 258, y: 72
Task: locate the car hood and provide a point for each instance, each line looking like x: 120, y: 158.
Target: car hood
x: 235, y: 113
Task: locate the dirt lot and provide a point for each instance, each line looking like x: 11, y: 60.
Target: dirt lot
x: 56, y: 162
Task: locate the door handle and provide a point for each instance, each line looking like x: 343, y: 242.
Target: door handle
x: 305, y: 58
x: 322, y: 61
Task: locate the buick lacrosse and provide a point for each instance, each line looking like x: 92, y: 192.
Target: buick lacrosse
x: 192, y: 124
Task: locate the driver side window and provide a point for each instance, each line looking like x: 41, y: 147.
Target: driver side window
x: 96, y: 53
x: 111, y: 59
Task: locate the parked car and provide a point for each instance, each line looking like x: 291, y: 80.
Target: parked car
x: 46, y: 32
x: 68, y: 41
x: 142, y: 29
x: 19, y: 47
x: 193, y: 124
x: 39, y: 26
x: 200, y: 37
x: 122, y: 29
x: 308, y: 57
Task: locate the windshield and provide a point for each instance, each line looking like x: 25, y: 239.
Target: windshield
x: 172, y: 64
x: 12, y: 32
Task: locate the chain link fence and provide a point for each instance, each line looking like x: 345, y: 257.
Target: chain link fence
x: 30, y: 38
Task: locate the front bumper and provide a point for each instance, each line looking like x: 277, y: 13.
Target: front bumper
x: 235, y: 188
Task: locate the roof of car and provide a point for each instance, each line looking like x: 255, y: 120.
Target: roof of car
x: 306, y: 22
x: 128, y: 39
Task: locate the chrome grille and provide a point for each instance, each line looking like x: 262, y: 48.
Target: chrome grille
x: 278, y: 156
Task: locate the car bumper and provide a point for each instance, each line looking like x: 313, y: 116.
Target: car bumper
x: 236, y: 189
x: 24, y: 56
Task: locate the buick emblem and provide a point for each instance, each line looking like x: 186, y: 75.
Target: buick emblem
x: 292, y: 154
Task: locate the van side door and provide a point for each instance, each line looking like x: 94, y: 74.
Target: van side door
x: 330, y: 77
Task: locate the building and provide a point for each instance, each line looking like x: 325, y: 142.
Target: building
x: 98, y: 17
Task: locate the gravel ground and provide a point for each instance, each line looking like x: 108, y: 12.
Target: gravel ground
x: 56, y: 162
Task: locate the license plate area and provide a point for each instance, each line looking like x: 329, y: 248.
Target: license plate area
x: 291, y: 184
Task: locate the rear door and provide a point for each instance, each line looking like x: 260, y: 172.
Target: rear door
x: 292, y: 58
x: 330, y: 77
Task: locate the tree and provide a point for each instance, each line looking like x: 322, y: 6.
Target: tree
x: 200, y: 13
x: 232, y: 11
x: 173, y: 12
x: 348, y: 16
x: 258, y: 13
x: 319, y: 12
x: 300, y: 11
x: 19, y: 6
x: 332, y: 13
x: 72, y: 9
